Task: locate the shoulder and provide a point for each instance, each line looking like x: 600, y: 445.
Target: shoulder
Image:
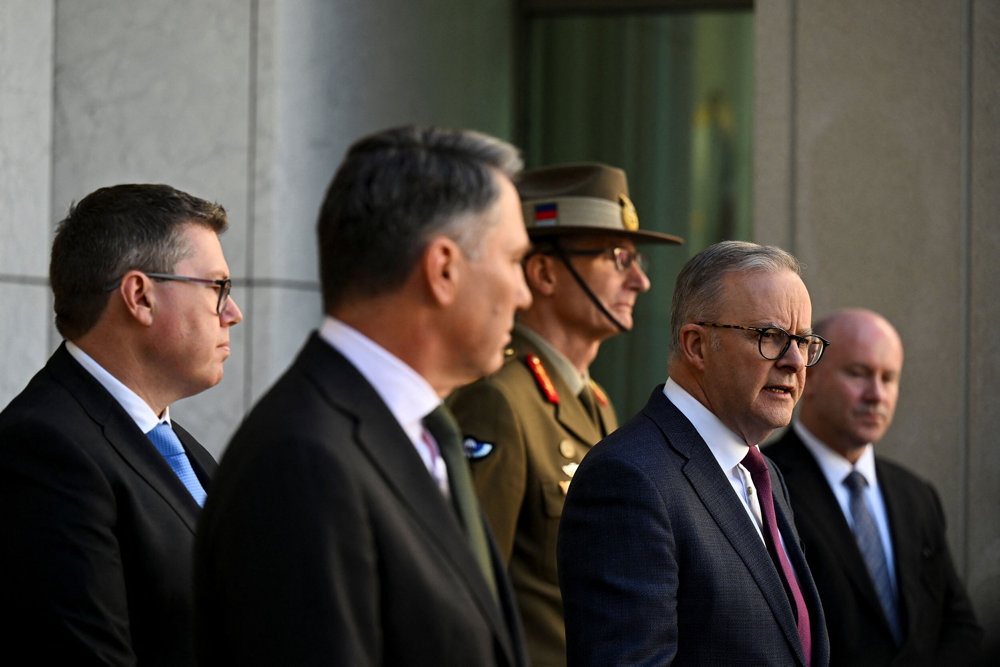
x: 520, y: 381
x: 898, y: 480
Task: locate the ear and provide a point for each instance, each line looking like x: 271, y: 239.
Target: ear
x: 694, y: 344
x: 441, y: 268
x: 539, y: 274
x: 136, y: 292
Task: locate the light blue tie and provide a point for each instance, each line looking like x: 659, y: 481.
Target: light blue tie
x: 870, y: 544
x: 168, y: 444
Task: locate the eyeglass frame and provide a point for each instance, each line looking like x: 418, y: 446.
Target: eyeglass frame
x: 634, y: 256
x: 225, y: 285
x: 789, y: 337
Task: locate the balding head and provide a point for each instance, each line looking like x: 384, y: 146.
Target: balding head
x: 850, y: 396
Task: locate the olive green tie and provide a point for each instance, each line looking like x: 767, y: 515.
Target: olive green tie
x: 441, y: 424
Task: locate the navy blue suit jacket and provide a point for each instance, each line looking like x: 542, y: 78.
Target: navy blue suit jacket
x: 659, y: 562
x: 98, y: 531
x: 939, y: 623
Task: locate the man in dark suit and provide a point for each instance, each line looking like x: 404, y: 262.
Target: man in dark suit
x: 691, y: 557
x: 529, y: 425
x: 343, y: 527
x: 99, y: 520
x: 900, y: 601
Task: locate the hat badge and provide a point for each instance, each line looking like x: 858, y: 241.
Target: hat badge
x: 629, y: 217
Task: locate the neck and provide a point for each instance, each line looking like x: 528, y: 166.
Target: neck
x: 578, y: 349
x: 120, y: 359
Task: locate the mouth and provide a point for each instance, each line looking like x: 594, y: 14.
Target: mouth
x: 780, y: 390
x: 873, y: 416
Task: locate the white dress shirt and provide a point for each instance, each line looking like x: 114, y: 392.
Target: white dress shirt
x: 835, y: 468
x: 727, y: 447
x: 137, y: 409
x: 405, y: 392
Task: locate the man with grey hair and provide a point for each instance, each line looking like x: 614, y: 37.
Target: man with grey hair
x: 692, y: 557
x: 343, y: 526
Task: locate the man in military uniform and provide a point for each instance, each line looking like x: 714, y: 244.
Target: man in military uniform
x: 528, y: 425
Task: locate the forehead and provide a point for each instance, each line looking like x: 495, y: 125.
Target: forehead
x: 202, y: 247
x: 760, y: 298
x: 865, y: 342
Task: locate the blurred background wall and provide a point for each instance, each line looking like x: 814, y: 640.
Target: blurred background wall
x: 862, y: 136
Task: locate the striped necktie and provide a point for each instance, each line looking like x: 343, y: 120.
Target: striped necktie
x: 870, y: 545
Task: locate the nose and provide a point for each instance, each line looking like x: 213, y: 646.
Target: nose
x: 231, y: 313
x: 637, y: 279
x: 875, y: 389
x: 792, y: 357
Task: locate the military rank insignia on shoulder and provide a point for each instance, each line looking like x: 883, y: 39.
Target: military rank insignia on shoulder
x: 602, y: 398
x: 476, y: 450
x: 542, y: 378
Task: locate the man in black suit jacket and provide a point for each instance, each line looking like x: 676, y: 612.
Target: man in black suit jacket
x: 341, y: 529
x: 847, y: 407
x: 95, y: 564
x: 681, y: 566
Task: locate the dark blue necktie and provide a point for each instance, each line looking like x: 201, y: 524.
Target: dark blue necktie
x: 870, y: 544
x: 169, y: 445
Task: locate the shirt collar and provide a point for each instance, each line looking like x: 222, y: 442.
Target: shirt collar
x: 727, y: 447
x: 834, y: 466
x: 561, y: 365
x: 137, y: 409
x: 405, y: 392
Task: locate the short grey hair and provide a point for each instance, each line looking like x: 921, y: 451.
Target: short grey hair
x: 699, y: 284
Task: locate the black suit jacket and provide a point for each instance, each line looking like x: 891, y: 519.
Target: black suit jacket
x: 326, y: 541
x: 659, y: 562
x: 939, y: 625
x: 98, y: 531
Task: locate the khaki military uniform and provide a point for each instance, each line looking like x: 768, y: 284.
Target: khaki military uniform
x: 525, y: 433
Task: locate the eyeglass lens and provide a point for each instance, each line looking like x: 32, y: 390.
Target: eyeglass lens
x: 624, y: 258
x: 775, y: 342
x: 224, y: 290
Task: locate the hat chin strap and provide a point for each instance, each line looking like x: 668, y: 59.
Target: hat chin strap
x: 590, y: 294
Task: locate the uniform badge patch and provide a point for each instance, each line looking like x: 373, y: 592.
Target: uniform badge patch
x: 476, y: 450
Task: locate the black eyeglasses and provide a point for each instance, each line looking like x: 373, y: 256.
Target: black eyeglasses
x: 624, y: 258
x: 773, y: 342
x: 225, y: 285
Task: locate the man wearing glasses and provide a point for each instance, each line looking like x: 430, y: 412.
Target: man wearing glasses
x: 101, y: 489
x: 691, y: 553
x: 528, y: 426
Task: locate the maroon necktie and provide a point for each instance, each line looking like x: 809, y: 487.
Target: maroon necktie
x: 754, y: 462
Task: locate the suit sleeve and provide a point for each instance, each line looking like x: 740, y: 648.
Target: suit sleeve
x: 290, y: 563
x: 961, y: 634
x: 617, y: 562
x: 485, y: 414
x: 60, y: 558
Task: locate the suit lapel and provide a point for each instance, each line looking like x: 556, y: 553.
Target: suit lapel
x: 391, y: 453
x: 902, y: 533
x: 124, y: 436
x: 827, y: 517
x: 726, y: 509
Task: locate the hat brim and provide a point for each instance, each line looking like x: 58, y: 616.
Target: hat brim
x: 638, y: 236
